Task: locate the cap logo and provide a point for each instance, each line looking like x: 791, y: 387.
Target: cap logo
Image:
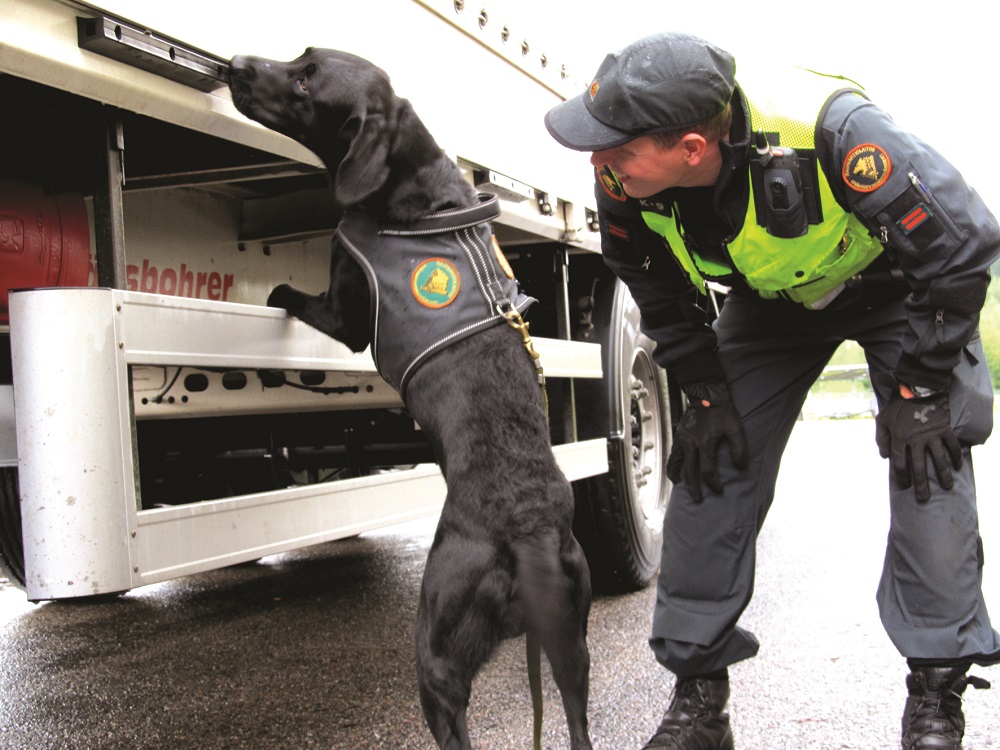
x: 593, y: 89
x: 866, y: 168
x: 435, y: 283
x: 611, y: 184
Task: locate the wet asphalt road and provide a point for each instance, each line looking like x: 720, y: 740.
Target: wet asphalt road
x: 312, y: 649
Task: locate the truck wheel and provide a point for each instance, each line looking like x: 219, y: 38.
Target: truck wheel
x: 11, y: 544
x: 619, y: 515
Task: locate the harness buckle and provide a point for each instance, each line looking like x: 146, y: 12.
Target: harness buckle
x: 515, y: 321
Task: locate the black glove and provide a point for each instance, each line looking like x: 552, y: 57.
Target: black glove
x: 909, y: 428
x: 710, y: 418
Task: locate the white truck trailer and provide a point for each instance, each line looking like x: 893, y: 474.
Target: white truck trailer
x: 156, y: 418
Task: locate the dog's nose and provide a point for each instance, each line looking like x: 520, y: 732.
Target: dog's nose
x: 243, y: 66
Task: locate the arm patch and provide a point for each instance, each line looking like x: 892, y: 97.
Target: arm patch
x: 618, y: 231
x: 915, y: 218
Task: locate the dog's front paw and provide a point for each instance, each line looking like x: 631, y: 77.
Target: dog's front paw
x: 286, y: 298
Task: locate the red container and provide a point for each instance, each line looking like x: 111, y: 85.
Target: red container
x: 44, y: 240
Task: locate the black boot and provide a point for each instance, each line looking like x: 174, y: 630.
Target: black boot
x: 933, y: 718
x: 696, y: 718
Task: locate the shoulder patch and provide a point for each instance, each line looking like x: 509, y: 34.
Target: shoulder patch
x: 610, y: 184
x: 866, y: 168
x: 435, y: 283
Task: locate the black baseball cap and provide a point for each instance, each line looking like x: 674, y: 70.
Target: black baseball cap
x: 658, y: 84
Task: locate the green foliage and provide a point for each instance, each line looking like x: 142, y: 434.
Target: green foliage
x: 850, y: 353
x: 839, y: 396
x: 989, y: 329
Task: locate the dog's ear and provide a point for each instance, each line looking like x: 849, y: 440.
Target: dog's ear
x: 365, y: 169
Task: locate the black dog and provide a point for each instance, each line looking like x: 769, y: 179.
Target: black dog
x: 503, y: 561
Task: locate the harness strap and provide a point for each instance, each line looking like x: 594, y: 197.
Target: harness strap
x: 449, y: 220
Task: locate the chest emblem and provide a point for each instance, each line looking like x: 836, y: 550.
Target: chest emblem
x: 435, y: 283
x: 866, y: 168
x: 611, y: 184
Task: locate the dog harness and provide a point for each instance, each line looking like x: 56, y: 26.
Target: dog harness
x: 433, y: 283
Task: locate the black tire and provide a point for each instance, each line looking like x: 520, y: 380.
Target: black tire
x: 11, y: 544
x: 619, y: 515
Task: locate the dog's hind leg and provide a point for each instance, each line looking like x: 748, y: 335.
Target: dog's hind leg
x: 444, y: 697
x: 449, y: 654
x: 459, y: 623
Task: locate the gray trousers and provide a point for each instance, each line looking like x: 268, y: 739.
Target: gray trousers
x: 930, y: 595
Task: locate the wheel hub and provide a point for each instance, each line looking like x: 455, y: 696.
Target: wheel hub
x: 647, y: 434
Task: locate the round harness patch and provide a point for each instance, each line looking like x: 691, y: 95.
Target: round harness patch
x: 435, y: 283
x: 867, y: 167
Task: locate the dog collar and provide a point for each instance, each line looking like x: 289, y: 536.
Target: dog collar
x: 433, y: 282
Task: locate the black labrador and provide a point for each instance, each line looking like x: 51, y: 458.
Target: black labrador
x: 503, y: 561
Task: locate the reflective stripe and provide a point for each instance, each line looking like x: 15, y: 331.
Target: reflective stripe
x: 697, y: 268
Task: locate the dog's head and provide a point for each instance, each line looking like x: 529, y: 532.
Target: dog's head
x: 336, y: 104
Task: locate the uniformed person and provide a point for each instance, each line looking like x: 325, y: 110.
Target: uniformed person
x: 829, y: 223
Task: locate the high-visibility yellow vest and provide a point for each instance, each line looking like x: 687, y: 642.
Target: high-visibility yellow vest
x: 809, y: 269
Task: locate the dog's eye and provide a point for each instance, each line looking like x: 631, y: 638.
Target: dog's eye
x: 301, y: 82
